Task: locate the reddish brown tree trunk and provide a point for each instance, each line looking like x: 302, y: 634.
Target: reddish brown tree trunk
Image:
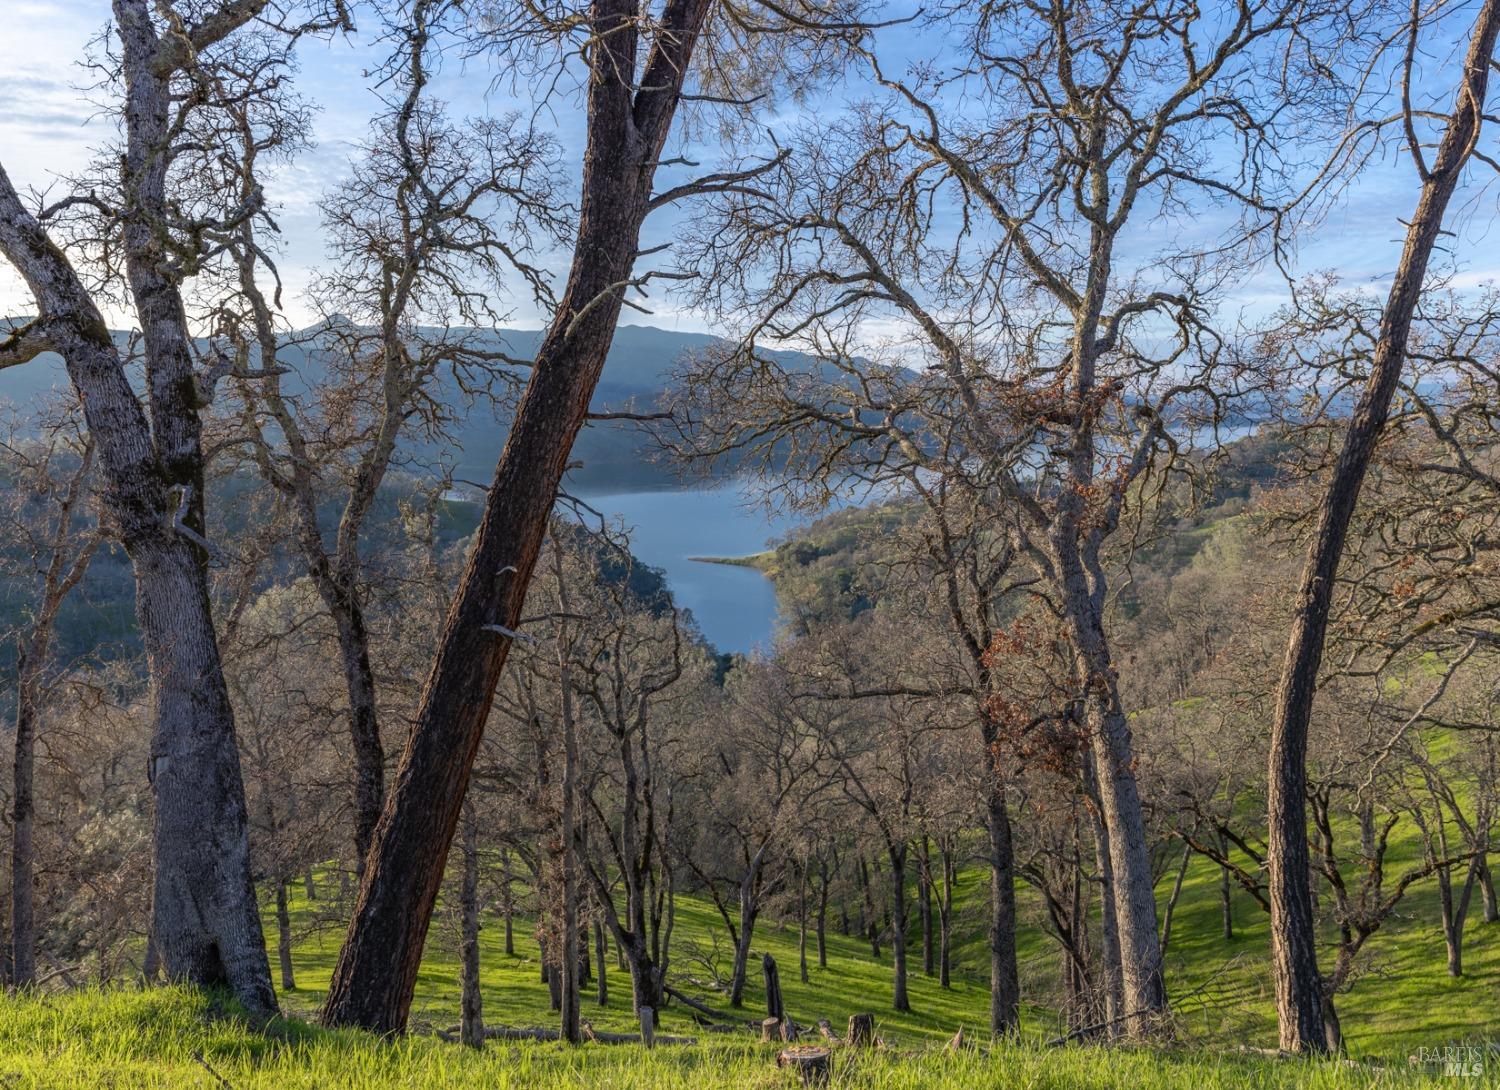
x: 1299, y: 987
x: 377, y: 967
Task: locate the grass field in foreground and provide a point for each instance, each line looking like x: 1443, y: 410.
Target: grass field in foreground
x: 170, y: 1038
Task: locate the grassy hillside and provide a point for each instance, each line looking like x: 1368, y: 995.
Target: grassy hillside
x: 173, y: 1038
x: 1221, y: 990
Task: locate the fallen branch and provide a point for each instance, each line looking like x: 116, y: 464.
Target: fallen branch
x: 707, y: 1011
x: 537, y: 1033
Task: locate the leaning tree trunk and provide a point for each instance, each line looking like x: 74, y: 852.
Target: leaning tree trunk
x: 1299, y: 989
x: 377, y: 967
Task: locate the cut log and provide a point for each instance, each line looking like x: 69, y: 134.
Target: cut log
x: 825, y: 1027
x: 811, y: 1062
x: 770, y: 1029
x: 861, y: 1030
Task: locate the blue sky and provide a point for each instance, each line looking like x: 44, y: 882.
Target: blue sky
x: 48, y: 128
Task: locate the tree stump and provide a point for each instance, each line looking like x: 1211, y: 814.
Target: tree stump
x: 861, y: 1030
x: 770, y: 1029
x: 788, y: 1031
x: 811, y: 1062
x: 774, y: 1006
x: 648, y: 1027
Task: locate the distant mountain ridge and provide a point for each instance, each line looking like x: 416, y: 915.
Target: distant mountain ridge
x: 614, y: 455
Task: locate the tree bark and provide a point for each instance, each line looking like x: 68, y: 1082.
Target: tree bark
x: 206, y: 920
x: 1113, y: 999
x: 23, y: 851
x: 568, y: 964
x: 802, y: 922
x: 376, y: 971
x: 945, y: 951
x: 471, y: 1000
x: 284, y: 938
x: 600, y: 950
x: 1226, y: 906
x: 924, y: 906
x: 822, y: 926
x: 899, y: 999
x: 1005, y: 989
x: 1299, y: 991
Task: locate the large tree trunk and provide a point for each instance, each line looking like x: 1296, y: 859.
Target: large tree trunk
x: 1299, y: 992
x: 206, y: 920
x: 1005, y: 989
x: 1487, y: 890
x: 377, y: 967
x: 1111, y: 980
x: 206, y: 923
x: 1143, y: 986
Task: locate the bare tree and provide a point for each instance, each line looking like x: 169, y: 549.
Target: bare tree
x: 639, y: 57
x: 1299, y: 990
x: 46, y: 520
x: 434, y: 217
x: 167, y: 213
x: 983, y: 215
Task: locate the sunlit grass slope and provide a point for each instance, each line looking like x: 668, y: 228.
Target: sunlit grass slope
x: 170, y: 1038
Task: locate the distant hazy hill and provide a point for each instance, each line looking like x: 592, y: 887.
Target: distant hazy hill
x: 616, y: 456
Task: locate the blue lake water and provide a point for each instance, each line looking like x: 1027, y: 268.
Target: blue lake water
x: 735, y: 607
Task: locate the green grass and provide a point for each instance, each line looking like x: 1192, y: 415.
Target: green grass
x: 172, y: 1038
x: 1221, y: 993
x: 1221, y: 990
x: 514, y: 994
